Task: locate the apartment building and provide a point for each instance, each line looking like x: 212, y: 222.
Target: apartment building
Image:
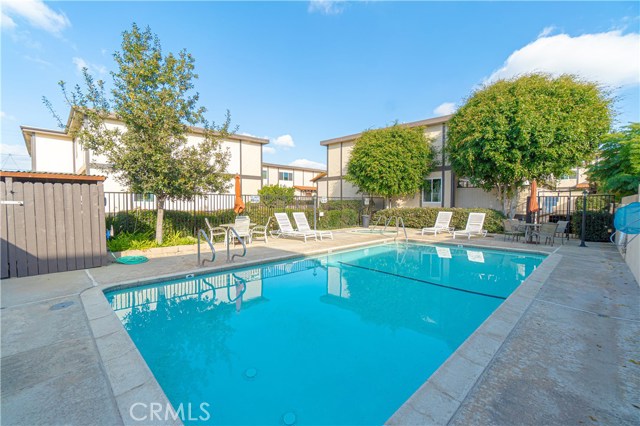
x: 299, y: 178
x: 57, y: 151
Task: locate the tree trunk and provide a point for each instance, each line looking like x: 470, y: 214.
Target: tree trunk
x: 159, y: 218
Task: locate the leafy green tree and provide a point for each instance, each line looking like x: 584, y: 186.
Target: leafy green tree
x: 153, y: 97
x: 271, y: 195
x: 531, y: 127
x: 391, y: 161
x: 617, y: 170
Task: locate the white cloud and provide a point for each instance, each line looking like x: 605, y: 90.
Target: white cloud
x: 38, y: 60
x: 81, y: 63
x: 303, y: 162
x: 445, y: 109
x: 7, y: 23
x: 5, y: 116
x: 284, y: 141
x: 268, y: 149
x: 546, y: 31
x: 326, y: 7
x: 37, y: 14
x: 6, y: 149
x: 608, y: 58
x: 14, y: 157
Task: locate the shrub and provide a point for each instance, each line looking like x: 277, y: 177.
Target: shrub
x: 420, y: 217
x: 273, y: 195
x: 145, y: 240
x: 598, y: 225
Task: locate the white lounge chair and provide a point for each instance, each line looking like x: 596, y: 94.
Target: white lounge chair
x: 474, y: 226
x: 286, y: 229
x: 442, y: 224
x: 303, y: 226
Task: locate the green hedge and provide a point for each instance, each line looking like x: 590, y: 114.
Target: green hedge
x: 421, y: 217
x: 598, y: 227
x: 184, y: 223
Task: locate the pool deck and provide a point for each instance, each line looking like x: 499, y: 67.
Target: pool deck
x: 563, y: 349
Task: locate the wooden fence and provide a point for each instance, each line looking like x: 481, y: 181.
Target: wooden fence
x: 50, y: 223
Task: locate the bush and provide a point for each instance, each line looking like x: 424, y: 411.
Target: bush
x: 145, y: 240
x: 420, y: 217
x: 273, y: 195
x: 599, y: 225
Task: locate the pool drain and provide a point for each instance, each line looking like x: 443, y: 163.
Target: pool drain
x: 250, y: 373
x: 289, y: 418
x: 61, y: 305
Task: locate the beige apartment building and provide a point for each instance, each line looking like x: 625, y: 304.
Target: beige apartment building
x: 443, y: 188
x: 300, y: 178
x: 56, y: 151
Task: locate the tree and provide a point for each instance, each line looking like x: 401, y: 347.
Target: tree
x: 618, y: 167
x: 531, y: 127
x: 270, y: 195
x: 153, y: 97
x: 391, y: 161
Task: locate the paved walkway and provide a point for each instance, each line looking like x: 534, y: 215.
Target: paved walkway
x: 572, y: 357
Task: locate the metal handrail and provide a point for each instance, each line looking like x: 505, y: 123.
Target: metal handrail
x: 400, y: 221
x: 244, y: 288
x: 202, y: 232
x: 376, y: 223
x: 244, y: 246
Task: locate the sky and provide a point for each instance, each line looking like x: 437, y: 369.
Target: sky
x: 301, y: 72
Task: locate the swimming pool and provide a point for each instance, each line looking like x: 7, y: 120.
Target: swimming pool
x: 343, y: 338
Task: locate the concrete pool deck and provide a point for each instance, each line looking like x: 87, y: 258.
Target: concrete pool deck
x: 563, y: 349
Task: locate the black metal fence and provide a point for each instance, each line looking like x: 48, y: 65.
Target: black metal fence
x: 129, y: 212
x: 599, y: 213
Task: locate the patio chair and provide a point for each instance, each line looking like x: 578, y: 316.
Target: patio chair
x: 561, y: 231
x: 286, y: 229
x: 442, y: 224
x: 512, y: 229
x: 241, y: 226
x: 261, y: 231
x: 215, y: 231
x: 474, y: 226
x: 548, y: 231
x: 303, y: 226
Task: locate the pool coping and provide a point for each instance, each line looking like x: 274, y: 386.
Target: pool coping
x: 132, y: 381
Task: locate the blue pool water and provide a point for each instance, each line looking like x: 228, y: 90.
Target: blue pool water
x: 344, y: 338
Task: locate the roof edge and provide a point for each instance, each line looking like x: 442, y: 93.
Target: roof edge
x: 425, y: 122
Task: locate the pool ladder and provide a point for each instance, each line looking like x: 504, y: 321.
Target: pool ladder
x: 399, y: 223
x: 202, y: 233
x: 230, y: 258
x: 239, y: 238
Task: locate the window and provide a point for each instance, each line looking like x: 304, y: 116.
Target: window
x: 264, y: 173
x: 142, y: 197
x: 287, y: 176
x: 573, y: 174
x: 432, y: 192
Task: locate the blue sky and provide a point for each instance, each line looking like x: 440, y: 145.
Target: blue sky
x: 301, y: 72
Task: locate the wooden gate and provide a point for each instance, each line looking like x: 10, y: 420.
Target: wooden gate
x: 50, y: 223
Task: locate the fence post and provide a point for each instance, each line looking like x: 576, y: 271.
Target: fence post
x: 314, y: 198
x: 584, y: 218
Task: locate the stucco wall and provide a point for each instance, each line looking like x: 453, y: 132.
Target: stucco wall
x: 53, y: 154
